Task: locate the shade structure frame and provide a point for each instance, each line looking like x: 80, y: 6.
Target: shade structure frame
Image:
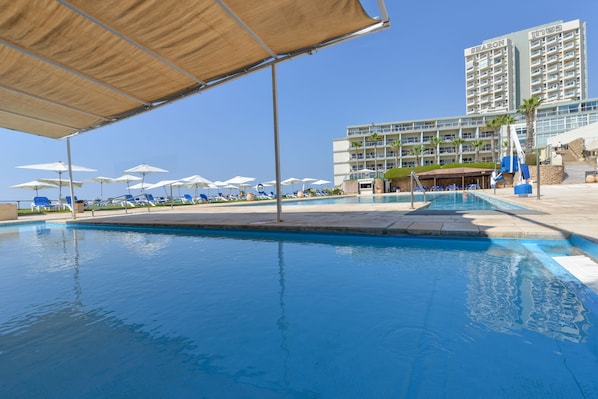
x: 75, y: 44
x: 60, y: 111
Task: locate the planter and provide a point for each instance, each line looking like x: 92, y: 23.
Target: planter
x: 8, y: 212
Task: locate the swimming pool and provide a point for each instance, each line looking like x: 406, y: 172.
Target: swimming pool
x: 92, y: 313
x: 454, y: 200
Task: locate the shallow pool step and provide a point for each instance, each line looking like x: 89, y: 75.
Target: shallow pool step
x: 582, y: 267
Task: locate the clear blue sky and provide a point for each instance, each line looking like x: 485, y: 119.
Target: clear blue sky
x: 413, y: 70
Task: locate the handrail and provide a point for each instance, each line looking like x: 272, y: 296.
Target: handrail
x: 416, y: 179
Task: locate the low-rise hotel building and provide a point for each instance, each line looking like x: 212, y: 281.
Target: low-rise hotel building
x: 358, y: 151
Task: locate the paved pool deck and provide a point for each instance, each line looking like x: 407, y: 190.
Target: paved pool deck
x: 561, y: 211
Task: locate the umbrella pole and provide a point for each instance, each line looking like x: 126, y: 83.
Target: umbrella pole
x: 276, y: 147
x: 68, y: 151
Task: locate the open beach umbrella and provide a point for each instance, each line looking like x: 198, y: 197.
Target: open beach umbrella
x: 290, y: 182
x: 34, y: 185
x: 143, y: 185
x: 196, y: 182
x: 320, y: 182
x: 101, y: 180
x: 59, y: 167
x: 239, y: 180
x: 59, y: 182
x: 127, y: 179
x: 167, y: 183
x: 307, y: 180
x: 144, y: 169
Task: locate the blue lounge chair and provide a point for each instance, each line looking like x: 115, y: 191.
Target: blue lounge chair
x: 204, y: 198
x: 69, y: 202
x: 187, y: 199
x: 128, y: 200
x: 40, y: 203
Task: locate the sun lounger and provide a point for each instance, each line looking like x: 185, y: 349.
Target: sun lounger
x: 187, y: 199
x: 69, y: 202
x: 128, y: 200
x: 40, y: 203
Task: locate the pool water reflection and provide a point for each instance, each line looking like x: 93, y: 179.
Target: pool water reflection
x: 90, y: 313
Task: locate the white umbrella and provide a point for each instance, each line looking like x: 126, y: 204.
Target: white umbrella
x: 141, y: 186
x: 101, y: 180
x: 239, y: 180
x: 145, y: 169
x: 230, y: 187
x: 320, y: 182
x: 34, y: 185
x: 127, y: 179
x: 164, y: 183
x: 59, y: 182
x: 290, y: 181
x: 196, y: 182
x: 307, y: 180
x: 59, y: 167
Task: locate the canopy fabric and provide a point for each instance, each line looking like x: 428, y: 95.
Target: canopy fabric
x: 454, y: 172
x: 69, y: 66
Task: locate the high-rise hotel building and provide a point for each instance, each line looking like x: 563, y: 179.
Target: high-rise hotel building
x: 548, y: 61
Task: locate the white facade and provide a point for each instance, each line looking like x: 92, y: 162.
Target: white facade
x: 558, y: 66
x: 490, y: 77
x: 548, y: 61
x: 460, y: 139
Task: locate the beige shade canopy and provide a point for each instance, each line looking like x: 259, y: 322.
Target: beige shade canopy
x: 69, y: 66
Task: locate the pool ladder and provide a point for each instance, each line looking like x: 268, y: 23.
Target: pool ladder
x: 414, y: 179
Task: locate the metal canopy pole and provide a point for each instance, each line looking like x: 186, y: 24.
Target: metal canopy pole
x: 68, y: 152
x: 276, y: 147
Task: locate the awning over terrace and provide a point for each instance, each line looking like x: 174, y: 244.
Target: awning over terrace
x: 438, y: 175
x: 69, y: 66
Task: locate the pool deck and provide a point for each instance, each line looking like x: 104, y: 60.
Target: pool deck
x: 561, y: 211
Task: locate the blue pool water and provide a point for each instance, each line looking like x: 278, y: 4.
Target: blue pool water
x: 90, y: 313
x: 454, y: 200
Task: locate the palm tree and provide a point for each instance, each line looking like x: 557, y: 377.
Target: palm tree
x: 396, y: 145
x: 495, y: 124
x: 417, y: 151
x: 508, y: 120
x: 528, y: 108
x: 434, y: 143
x: 476, y: 145
x: 356, y: 145
x: 457, y: 143
x: 375, y: 137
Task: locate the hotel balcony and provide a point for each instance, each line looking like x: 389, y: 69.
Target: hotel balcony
x: 570, y: 65
x: 552, y: 59
x: 552, y: 88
